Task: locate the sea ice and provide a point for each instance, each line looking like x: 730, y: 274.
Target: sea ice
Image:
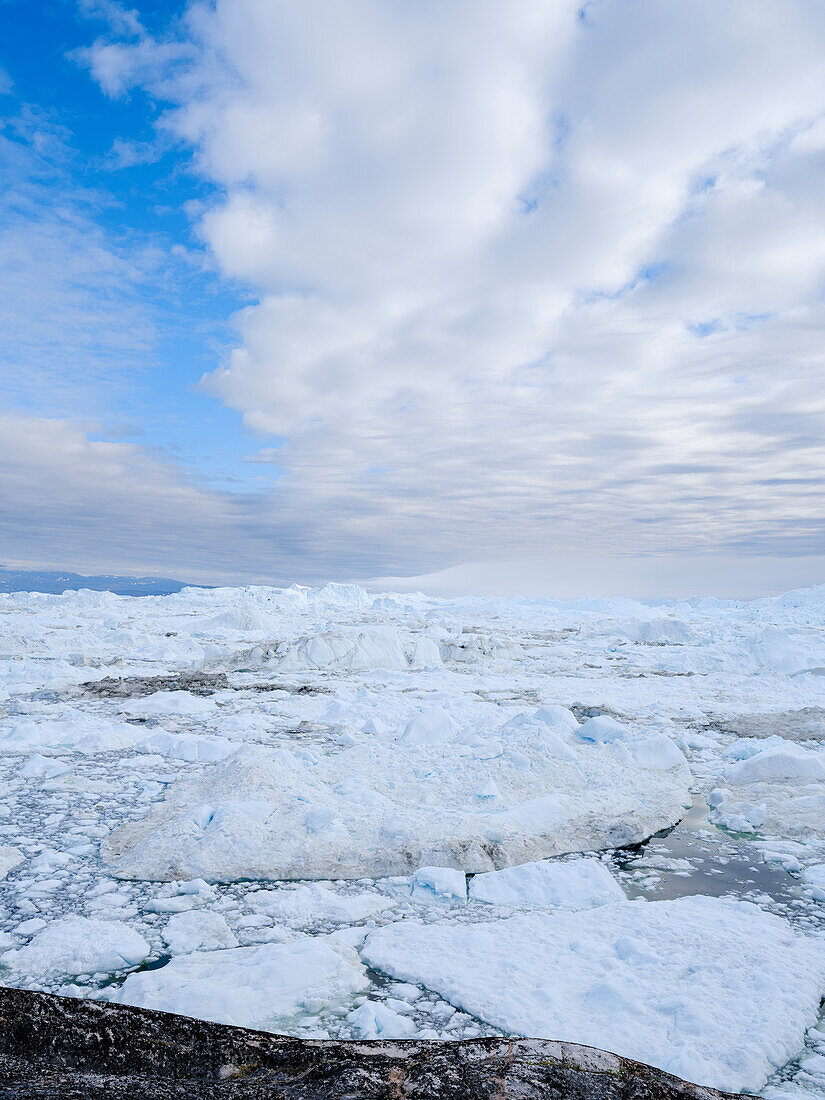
x: 197, y: 931
x: 429, y: 883
x: 575, y: 884
x: 386, y: 809
x: 309, y: 904
x: 10, y: 857
x: 78, y: 945
x: 347, y: 736
x: 715, y: 991
x: 262, y: 987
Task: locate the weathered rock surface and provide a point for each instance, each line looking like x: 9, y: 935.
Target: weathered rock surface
x: 138, y: 687
x: 86, y: 1050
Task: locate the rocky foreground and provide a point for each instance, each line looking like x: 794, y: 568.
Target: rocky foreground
x: 80, y: 1050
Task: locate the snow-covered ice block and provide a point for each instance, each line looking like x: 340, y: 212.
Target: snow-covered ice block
x: 308, y: 904
x: 374, y: 1020
x: 814, y: 879
x: 737, y: 815
x: 659, y: 753
x: 438, y: 882
x: 188, y: 746
x: 238, y: 620
x: 659, y: 632
x: 259, y: 987
x: 778, y: 763
x: 350, y: 651
x: 714, y: 991
x: 552, y: 725
x: 431, y: 726
x: 78, y: 945
x: 389, y: 808
x: 469, y: 648
x: 777, y: 650
x: 778, y: 789
x: 341, y: 595
x: 602, y: 728
x: 577, y: 884
x: 425, y: 654
x: 197, y: 931
x: 196, y: 887
x: 558, y: 717
x: 10, y: 857
x: 43, y: 767
x: 77, y: 732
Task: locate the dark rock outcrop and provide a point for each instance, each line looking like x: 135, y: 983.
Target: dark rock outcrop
x: 138, y: 687
x: 54, y: 1047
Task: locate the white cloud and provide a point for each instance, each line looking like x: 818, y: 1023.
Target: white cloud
x: 71, y: 502
x: 526, y: 274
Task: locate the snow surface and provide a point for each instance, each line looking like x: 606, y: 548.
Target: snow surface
x: 78, y: 945
x: 685, y: 985
x: 256, y: 791
x: 274, y: 814
x: 579, y: 884
x: 257, y: 987
x: 197, y: 931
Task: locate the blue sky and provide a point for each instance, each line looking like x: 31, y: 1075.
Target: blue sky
x: 293, y: 291
x: 156, y: 400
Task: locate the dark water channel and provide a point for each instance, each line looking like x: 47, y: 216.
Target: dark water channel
x: 695, y: 857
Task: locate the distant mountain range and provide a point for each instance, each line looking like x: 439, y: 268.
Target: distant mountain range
x: 41, y: 580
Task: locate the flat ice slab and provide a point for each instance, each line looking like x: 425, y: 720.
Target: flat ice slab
x: 381, y: 808
x: 579, y: 884
x: 257, y: 987
x: 715, y: 991
x: 78, y: 945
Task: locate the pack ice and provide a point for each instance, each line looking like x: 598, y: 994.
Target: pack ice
x: 239, y: 757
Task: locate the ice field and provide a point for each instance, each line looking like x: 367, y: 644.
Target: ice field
x: 340, y: 814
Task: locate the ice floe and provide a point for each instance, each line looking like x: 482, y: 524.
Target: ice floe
x: 577, y: 884
x: 197, y: 931
x: 715, y: 991
x: 259, y: 987
x: 265, y: 814
x: 78, y: 945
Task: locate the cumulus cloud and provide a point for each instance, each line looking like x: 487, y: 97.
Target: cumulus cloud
x: 527, y: 274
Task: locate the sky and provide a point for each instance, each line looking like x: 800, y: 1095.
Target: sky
x: 295, y: 290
